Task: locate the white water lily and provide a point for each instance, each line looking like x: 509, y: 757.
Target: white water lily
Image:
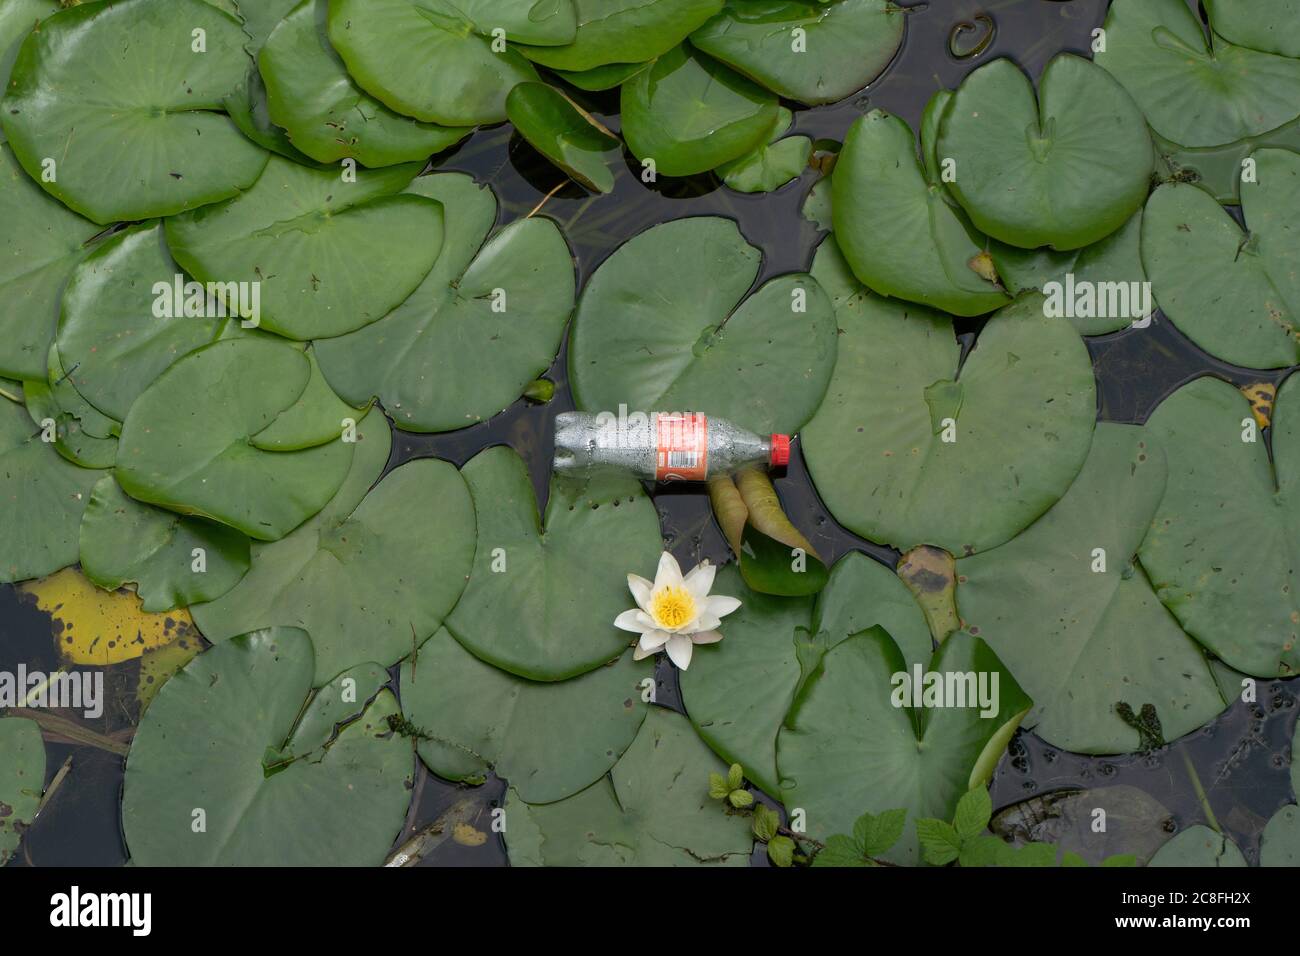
x: 674, y: 613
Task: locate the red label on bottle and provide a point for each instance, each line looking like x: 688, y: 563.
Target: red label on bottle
x: 682, y: 448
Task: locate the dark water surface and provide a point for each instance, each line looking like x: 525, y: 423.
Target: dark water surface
x: 1241, y: 760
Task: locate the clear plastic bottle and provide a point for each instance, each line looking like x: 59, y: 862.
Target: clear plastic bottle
x: 660, y: 446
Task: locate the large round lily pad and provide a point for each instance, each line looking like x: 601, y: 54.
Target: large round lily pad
x: 690, y: 114
x: 652, y: 810
x: 1192, y: 92
x: 314, y: 241
x: 327, y: 116
x: 1235, y: 294
x: 423, y: 59
x: 1269, y: 25
x: 565, y: 134
x: 1064, y: 171
x: 897, y: 226
x: 661, y: 326
x: 548, y: 740
x: 623, y: 31
x: 42, y: 497
x: 1222, y: 549
x: 909, y: 436
x: 22, y: 780
x: 739, y: 690
x: 487, y: 319
x: 542, y: 598
x: 236, y: 764
x: 1069, y: 610
x: 370, y: 576
x: 844, y: 44
x: 187, y: 443
x: 117, y: 94
x: 853, y: 743
x: 174, y: 561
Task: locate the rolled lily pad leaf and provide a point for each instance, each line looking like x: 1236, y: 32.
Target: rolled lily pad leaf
x: 486, y: 321
x: 623, y: 31
x: 127, y: 315
x: 858, y: 739
x: 173, y: 561
x: 896, y: 226
x: 1192, y: 92
x: 83, y: 435
x: 652, y: 810
x: 326, y: 115
x: 115, y: 94
x: 1221, y: 545
x: 1102, y: 637
x: 375, y: 572
x: 773, y: 164
x: 904, y: 432
x: 22, y: 780
x: 1235, y: 294
x: 738, y: 691
x: 1065, y: 171
x: 691, y: 114
x: 185, y: 444
x: 268, y: 781
x: 657, y: 329
x: 1199, y: 846
x: 602, y: 77
x: 308, y: 245
x: 41, y: 242
x: 549, y: 615
x: 565, y: 134
x: 843, y: 46
x: 421, y: 58
x: 1272, y: 26
x: 547, y: 740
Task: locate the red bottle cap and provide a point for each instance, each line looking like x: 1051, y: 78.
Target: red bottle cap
x: 780, y: 451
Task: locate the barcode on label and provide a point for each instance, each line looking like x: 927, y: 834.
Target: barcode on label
x: 683, y: 459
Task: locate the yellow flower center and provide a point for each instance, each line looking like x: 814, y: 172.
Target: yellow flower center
x: 672, y: 607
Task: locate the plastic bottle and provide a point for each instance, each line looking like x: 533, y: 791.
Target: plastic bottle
x: 660, y: 446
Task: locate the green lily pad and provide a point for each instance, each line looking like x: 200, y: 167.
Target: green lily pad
x: 844, y: 45
x: 773, y: 164
x: 1221, y: 551
x: 1199, y: 846
x: 602, y: 77
x: 566, y: 135
x: 658, y: 329
x: 690, y: 114
x: 1218, y: 169
x: 738, y: 691
x: 326, y: 115
x: 547, y: 740
x: 421, y: 58
x: 185, y: 444
x: 41, y: 242
x: 83, y: 435
x: 896, y: 226
x: 486, y: 321
x: 848, y: 747
x: 173, y: 561
x: 314, y: 243
x: 1272, y: 26
x: 1279, y: 844
x: 22, y: 780
x: 372, y: 575
x: 273, y: 784
x: 544, y: 22
x: 1235, y: 294
x: 624, y: 31
x: 17, y: 20
x: 1019, y: 410
x: 1065, y: 171
x: 1066, y: 607
x: 1192, y: 92
x: 116, y: 94
x: 542, y: 598
x: 653, y: 810
x: 42, y: 497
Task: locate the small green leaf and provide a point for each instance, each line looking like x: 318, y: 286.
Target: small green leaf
x: 974, y: 810
x: 740, y: 799
x: 766, y: 823
x: 735, y: 776
x: 718, y: 788
x: 875, y: 834
x: 1120, y: 859
x: 940, y: 844
x: 983, y: 851
x: 840, y: 851
x: 781, y: 851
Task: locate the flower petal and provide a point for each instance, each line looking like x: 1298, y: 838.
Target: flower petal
x: 679, y: 650
x: 706, y: 637
x: 700, y: 580
x: 669, y: 573
x: 706, y: 622
x: 640, y: 589
x: 653, y: 640
x: 641, y: 653
x: 720, y: 605
x: 630, y: 620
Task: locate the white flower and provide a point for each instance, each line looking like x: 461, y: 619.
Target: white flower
x: 675, y: 613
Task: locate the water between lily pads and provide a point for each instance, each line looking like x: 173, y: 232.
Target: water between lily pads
x: 1241, y: 759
